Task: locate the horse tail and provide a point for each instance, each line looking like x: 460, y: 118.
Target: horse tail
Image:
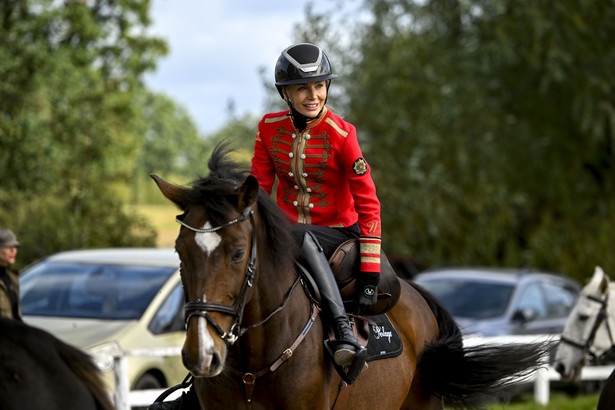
x: 467, y: 377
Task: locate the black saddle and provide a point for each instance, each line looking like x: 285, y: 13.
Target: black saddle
x: 346, y: 265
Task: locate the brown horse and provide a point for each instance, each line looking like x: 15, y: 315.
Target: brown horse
x: 38, y: 371
x: 253, y: 336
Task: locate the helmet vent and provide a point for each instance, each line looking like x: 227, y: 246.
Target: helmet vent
x: 302, y: 63
x: 305, y: 57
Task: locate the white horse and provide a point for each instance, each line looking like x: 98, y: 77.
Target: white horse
x: 589, y: 333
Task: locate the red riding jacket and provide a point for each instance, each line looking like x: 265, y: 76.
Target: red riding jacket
x: 323, y: 178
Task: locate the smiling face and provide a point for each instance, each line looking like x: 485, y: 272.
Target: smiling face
x: 308, y: 99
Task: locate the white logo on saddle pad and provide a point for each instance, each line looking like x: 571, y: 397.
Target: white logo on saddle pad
x: 381, y: 333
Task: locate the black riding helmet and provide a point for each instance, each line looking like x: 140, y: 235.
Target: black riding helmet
x: 302, y: 63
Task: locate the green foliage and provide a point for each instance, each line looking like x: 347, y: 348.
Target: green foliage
x: 194, y: 154
x: 488, y: 126
x: 171, y: 142
x: 239, y: 133
x: 490, y: 130
x: 69, y: 80
x: 169, y: 145
x: 49, y: 223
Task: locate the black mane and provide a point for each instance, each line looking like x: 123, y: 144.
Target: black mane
x: 56, y: 364
x: 218, y: 192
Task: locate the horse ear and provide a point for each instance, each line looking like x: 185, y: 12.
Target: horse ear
x: 248, y: 193
x: 172, y: 192
x: 605, y: 282
x: 600, y: 281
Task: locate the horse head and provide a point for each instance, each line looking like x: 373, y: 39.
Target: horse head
x: 227, y: 224
x: 586, y: 334
x: 215, y: 246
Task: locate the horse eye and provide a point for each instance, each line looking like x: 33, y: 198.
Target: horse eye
x: 583, y: 317
x: 237, y: 255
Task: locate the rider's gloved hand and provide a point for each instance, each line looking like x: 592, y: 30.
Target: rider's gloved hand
x: 367, y: 292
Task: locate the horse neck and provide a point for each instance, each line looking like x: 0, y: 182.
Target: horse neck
x: 605, y: 335
x: 262, y: 344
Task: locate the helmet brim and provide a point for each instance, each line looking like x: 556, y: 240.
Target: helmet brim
x: 314, y: 79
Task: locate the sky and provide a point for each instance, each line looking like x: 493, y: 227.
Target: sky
x: 215, y: 50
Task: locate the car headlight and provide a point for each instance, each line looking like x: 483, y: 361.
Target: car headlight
x: 104, y: 355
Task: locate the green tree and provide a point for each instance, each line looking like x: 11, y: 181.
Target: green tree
x: 69, y: 76
x: 239, y: 132
x: 169, y: 145
x: 490, y: 128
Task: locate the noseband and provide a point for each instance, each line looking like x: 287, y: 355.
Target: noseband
x: 602, y: 315
x: 198, y: 308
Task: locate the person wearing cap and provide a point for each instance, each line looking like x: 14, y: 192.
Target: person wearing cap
x: 9, y: 279
x: 324, y: 184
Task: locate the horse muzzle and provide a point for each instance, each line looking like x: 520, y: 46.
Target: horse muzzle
x: 568, y: 373
x: 202, y: 355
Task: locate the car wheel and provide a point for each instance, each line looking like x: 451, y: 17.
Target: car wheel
x: 146, y: 382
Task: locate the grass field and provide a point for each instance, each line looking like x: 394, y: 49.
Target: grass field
x: 557, y: 401
x: 162, y: 218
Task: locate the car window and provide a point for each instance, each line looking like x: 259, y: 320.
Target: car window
x: 559, y: 299
x: 469, y: 298
x: 90, y: 290
x: 532, y: 298
x: 170, y: 315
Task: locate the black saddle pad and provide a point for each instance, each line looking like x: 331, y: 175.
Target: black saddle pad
x: 384, y: 341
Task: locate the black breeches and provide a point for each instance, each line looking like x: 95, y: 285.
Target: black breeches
x: 329, y: 238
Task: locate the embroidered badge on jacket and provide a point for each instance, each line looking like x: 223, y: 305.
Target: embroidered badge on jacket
x: 360, y: 166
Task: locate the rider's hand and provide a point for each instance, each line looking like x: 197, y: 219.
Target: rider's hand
x: 367, y: 292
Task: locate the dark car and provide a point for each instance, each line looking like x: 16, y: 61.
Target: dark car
x: 497, y: 302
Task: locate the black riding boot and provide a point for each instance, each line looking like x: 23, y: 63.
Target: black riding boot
x: 346, y: 345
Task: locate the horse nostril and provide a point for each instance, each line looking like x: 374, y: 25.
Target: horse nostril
x: 215, y: 361
x: 559, y: 367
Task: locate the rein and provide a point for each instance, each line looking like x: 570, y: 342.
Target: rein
x: 249, y: 379
x: 201, y: 309
x: 602, y: 315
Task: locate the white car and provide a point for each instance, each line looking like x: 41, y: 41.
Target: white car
x: 112, y: 300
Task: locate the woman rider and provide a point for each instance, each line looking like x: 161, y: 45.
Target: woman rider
x: 324, y: 183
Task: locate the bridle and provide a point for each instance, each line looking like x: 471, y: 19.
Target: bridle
x: 602, y: 316
x: 201, y: 309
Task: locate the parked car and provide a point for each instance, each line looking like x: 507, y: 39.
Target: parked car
x: 496, y: 302
x: 111, y: 300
